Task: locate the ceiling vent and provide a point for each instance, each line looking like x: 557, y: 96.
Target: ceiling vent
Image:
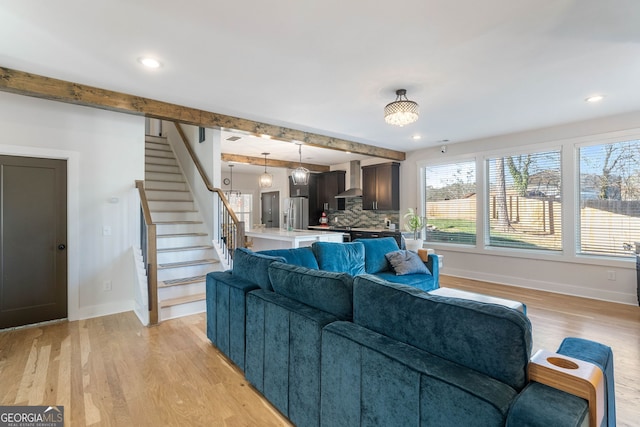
x: 234, y: 138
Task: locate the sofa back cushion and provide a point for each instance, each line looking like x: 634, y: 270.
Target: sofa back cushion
x: 374, y: 253
x: 340, y: 257
x: 324, y: 290
x: 488, y: 338
x: 303, y: 257
x: 253, y: 267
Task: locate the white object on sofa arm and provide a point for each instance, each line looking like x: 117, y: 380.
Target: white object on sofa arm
x: 573, y: 376
x: 457, y: 293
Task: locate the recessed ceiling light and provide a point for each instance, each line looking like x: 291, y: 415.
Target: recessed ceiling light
x: 149, y: 62
x: 265, y: 136
x: 416, y: 137
x: 595, y: 98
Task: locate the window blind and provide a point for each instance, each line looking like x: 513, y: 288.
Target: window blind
x: 609, y: 201
x: 525, y: 201
x: 450, y: 195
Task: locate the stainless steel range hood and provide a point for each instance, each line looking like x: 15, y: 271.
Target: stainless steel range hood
x: 354, y: 182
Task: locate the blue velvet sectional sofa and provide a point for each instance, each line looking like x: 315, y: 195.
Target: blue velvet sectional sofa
x: 226, y: 291
x: 330, y: 348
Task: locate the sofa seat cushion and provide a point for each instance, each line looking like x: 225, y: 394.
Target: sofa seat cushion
x: 406, y: 262
x: 340, y: 257
x: 324, y: 290
x: 374, y: 253
x: 488, y: 338
x: 424, y: 282
x: 552, y: 407
x: 253, y: 267
x: 303, y: 257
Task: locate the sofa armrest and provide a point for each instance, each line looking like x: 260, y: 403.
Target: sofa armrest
x: 574, y: 376
x: 229, y: 280
x: 433, y: 264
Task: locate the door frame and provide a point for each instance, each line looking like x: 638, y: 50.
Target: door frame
x: 73, y: 215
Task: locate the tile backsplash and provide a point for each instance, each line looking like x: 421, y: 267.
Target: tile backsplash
x: 355, y: 216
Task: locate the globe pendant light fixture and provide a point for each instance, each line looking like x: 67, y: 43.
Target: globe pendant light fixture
x: 266, y: 179
x: 401, y: 112
x: 300, y: 176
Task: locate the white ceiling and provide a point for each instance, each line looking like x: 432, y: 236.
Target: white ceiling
x: 477, y: 68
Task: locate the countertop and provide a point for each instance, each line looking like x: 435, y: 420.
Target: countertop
x: 277, y: 238
x: 370, y: 230
x: 259, y: 232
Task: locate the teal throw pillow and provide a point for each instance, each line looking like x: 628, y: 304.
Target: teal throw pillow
x: 340, y: 257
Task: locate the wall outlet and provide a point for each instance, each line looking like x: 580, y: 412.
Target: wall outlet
x: 106, y: 286
x: 611, y: 275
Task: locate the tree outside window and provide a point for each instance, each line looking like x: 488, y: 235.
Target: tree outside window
x: 609, y: 185
x: 525, y: 201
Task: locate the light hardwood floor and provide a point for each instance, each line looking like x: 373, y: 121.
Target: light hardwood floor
x: 113, y: 371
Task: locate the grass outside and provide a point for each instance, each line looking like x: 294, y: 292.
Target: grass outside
x: 464, y: 231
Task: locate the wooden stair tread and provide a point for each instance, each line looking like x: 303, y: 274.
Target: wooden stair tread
x: 169, y: 191
x: 173, y: 210
x: 185, y: 248
x: 182, y: 281
x: 180, y: 235
x: 187, y: 263
x: 182, y: 300
x: 170, y: 200
x: 177, y: 222
x: 162, y: 180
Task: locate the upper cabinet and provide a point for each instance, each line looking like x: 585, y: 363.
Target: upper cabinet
x: 381, y: 187
x: 329, y: 185
x: 299, y: 190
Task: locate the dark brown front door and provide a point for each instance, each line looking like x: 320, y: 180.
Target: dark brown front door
x: 33, y: 238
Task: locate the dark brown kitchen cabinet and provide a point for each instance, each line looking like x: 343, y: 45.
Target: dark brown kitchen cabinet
x: 381, y: 187
x: 329, y: 184
x: 299, y: 190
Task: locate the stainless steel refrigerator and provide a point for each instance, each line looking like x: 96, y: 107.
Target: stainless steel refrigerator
x: 297, y: 213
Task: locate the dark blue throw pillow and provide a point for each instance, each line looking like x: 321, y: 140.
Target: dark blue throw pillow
x: 253, y: 267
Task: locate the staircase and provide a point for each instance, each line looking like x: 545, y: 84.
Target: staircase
x: 185, y: 254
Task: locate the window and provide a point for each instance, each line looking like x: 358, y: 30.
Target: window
x: 241, y: 205
x: 609, y: 201
x: 450, y: 194
x: 525, y: 203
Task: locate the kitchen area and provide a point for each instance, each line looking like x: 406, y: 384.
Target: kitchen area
x: 325, y: 209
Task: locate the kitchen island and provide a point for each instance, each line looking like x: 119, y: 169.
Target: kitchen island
x: 276, y: 238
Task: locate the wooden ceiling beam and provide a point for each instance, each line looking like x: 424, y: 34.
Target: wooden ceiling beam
x: 22, y: 83
x: 259, y: 161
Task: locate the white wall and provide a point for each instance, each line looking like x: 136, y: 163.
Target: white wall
x: 105, y: 155
x: 564, y: 272
x: 205, y: 153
